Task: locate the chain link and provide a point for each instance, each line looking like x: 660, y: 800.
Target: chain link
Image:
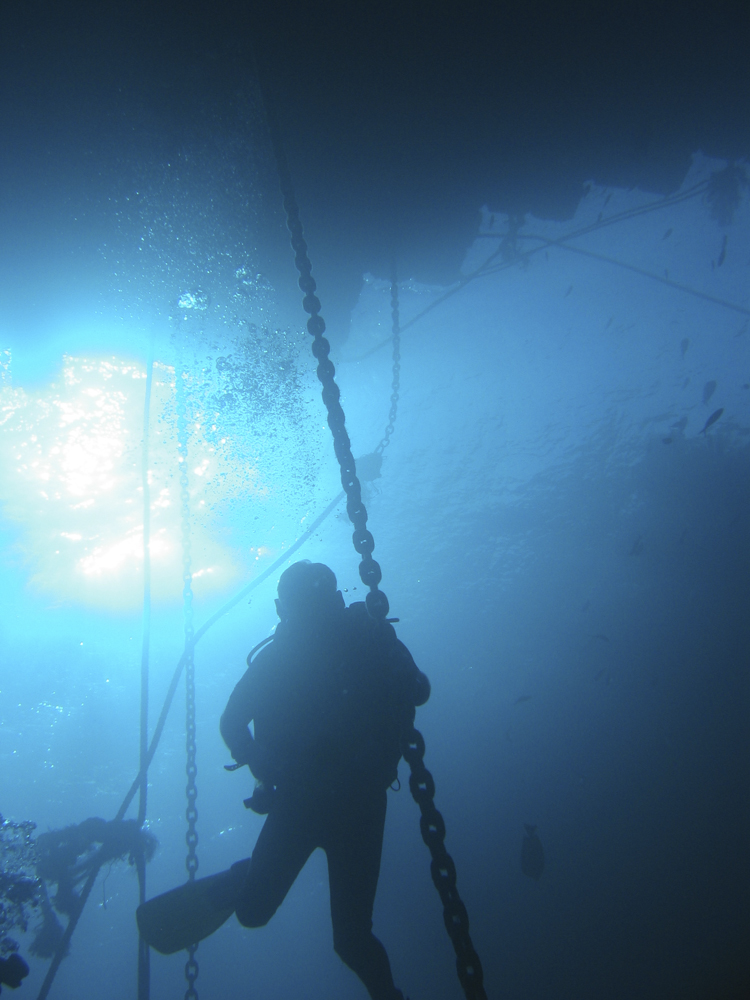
x: 364, y: 543
x: 421, y: 783
x: 191, y: 973
x: 442, y: 868
x: 191, y: 791
x: 396, y: 384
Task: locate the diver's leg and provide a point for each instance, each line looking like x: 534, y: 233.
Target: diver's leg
x: 285, y: 843
x: 353, y: 842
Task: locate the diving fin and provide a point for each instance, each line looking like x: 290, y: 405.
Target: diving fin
x: 185, y: 915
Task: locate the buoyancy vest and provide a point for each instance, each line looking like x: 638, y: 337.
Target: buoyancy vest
x: 331, y: 702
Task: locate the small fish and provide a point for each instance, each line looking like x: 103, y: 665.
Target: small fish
x: 568, y: 292
x: 686, y: 383
x: 667, y: 234
x: 637, y: 546
x: 723, y: 254
x: 609, y: 323
x: 680, y: 425
x: 600, y: 635
x: 712, y: 419
x: 708, y: 390
x: 532, y: 853
x: 524, y: 697
x: 746, y: 385
x: 684, y: 344
x: 666, y: 440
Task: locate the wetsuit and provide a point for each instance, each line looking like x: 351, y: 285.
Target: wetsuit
x: 329, y: 701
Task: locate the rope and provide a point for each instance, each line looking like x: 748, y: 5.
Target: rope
x: 143, y: 949
x: 62, y: 948
x: 146, y: 626
x: 191, y: 791
x: 714, y: 299
x: 144, y: 953
x: 484, y: 269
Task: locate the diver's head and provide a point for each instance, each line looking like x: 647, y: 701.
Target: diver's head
x: 307, y: 591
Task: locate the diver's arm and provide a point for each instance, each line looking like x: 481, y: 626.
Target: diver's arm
x: 236, y: 719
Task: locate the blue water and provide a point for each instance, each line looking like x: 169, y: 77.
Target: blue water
x: 567, y: 553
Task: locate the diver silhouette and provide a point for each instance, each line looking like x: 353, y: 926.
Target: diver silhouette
x: 329, y: 699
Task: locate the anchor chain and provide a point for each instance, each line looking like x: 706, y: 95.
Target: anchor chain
x: 191, y: 791
x: 421, y: 783
x: 442, y: 868
x: 364, y: 543
x: 396, y: 384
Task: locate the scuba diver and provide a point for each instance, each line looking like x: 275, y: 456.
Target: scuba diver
x: 329, y: 698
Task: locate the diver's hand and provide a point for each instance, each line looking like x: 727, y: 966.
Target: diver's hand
x: 258, y: 761
x: 251, y: 754
x: 12, y: 970
x: 242, y: 750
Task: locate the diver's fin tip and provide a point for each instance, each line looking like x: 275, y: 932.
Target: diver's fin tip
x: 186, y: 915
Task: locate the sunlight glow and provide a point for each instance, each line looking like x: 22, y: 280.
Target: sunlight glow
x: 71, y: 477
x: 71, y: 468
